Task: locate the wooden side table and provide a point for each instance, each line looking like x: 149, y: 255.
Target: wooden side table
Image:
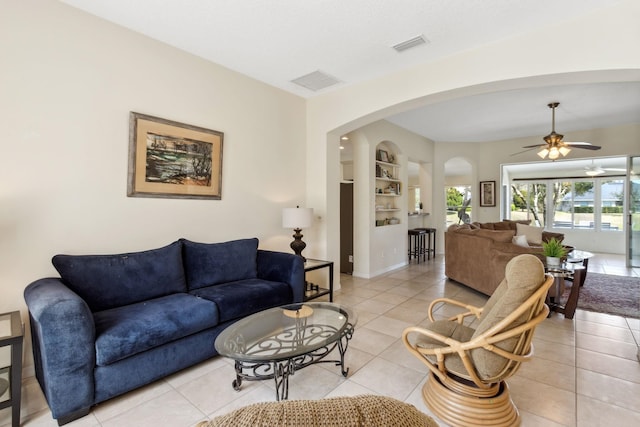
x: 313, y: 291
x: 11, y: 334
x: 576, y: 273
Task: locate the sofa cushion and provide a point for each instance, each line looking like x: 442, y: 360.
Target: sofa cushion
x: 495, y: 235
x: 209, y: 264
x: 534, y: 234
x: 503, y: 225
x: 124, y: 331
x: 245, y: 297
x: 109, y: 281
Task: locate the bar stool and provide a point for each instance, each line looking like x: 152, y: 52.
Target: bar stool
x: 430, y: 235
x: 416, y: 242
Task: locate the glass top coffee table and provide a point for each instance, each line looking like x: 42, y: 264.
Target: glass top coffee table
x: 274, y: 343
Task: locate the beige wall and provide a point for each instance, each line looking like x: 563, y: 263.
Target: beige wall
x: 67, y: 84
x: 590, y: 52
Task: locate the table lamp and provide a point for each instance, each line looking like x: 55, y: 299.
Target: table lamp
x: 297, y: 218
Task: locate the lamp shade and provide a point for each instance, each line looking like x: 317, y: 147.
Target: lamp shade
x: 297, y: 217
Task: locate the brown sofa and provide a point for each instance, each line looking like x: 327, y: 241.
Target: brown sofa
x: 476, y: 254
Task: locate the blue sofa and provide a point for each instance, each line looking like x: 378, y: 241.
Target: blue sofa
x: 112, y: 323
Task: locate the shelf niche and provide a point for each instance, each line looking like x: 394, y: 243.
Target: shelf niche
x: 388, y: 187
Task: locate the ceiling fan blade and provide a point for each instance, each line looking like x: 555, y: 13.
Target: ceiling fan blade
x: 534, y: 146
x: 524, y: 151
x: 577, y: 143
x: 586, y: 147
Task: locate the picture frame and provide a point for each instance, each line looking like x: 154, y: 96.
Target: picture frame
x: 487, y: 193
x: 168, y: 159
x: 383, y: 156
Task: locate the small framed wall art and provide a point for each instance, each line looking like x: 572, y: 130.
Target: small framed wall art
x: 487, y: 193
x: 168, y: 159
x: 382, y: 155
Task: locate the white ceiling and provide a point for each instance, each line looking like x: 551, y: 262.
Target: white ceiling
x: 524, y: 113
x: 278, y: 41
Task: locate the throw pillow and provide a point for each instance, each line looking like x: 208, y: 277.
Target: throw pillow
x: 520, y: 241
x: 534, y: 234
x: 207, y: 264
x: 109, y: 281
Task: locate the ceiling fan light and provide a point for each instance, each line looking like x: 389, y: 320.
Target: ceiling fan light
x: 554, y: 153
x: 543, y: 153
x: 564, y: 150
x: 594, y: 172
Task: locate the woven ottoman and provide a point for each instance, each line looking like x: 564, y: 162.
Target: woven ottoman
x: 356, y: 411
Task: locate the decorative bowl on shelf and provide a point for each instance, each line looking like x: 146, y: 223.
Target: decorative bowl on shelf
x: 394, y: 221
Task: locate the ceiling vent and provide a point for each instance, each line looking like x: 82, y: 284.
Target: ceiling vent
x: 408, y: 44
x: 316, y: 80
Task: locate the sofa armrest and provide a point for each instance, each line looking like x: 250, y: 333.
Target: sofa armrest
x: 283, y: 267
x: 548, y: 235
x: 63, y: 335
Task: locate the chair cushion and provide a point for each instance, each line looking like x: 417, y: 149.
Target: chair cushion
x: 451, y: 329
x: 209, y: 264
x: 109, y: 281
x: 124, y: 331
x: 524, y: 274
x: 245, y: 297
x: 352, y: 411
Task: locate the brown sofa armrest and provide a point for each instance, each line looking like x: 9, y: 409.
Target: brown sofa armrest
x: 548, y: 235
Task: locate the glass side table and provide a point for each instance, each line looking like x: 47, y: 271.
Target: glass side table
x: 11, y: 334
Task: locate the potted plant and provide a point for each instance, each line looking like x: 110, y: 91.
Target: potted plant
x: 554, y: 251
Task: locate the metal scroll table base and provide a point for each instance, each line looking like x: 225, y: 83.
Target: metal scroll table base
x: 280, y: 370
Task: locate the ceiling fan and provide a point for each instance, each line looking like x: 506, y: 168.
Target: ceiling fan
x: 555, y: 146
x: 594, y: 170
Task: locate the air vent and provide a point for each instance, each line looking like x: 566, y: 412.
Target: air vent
x: 316, y: 80
x: 408, y: 44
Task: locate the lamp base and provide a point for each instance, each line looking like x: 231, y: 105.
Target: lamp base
x: 298, y: 245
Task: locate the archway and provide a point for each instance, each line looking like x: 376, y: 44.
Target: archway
x: 327, y: 196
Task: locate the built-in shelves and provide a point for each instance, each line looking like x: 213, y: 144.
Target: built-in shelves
x: 387, y: 190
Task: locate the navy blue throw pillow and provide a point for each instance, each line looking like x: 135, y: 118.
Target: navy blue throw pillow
x: 207, y: 264
x: 109, y: 281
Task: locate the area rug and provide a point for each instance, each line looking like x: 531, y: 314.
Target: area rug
x: 605, y: 293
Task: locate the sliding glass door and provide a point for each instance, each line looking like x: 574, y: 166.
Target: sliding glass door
x: 633, y: 222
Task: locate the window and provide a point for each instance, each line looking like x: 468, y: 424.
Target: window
x: 458, y: 200
x: 611, y: 204
x: 591, y: 204
x: 528, y: 202
x: 573, y: 203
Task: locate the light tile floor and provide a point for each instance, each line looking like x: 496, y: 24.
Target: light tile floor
x: 585, y: 372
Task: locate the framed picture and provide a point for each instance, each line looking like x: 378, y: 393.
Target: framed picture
x: 383, y: 156
x: 173, y: 160
x: 487, y: 193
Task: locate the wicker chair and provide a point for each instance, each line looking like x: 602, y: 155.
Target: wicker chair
x: 468, y: 366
